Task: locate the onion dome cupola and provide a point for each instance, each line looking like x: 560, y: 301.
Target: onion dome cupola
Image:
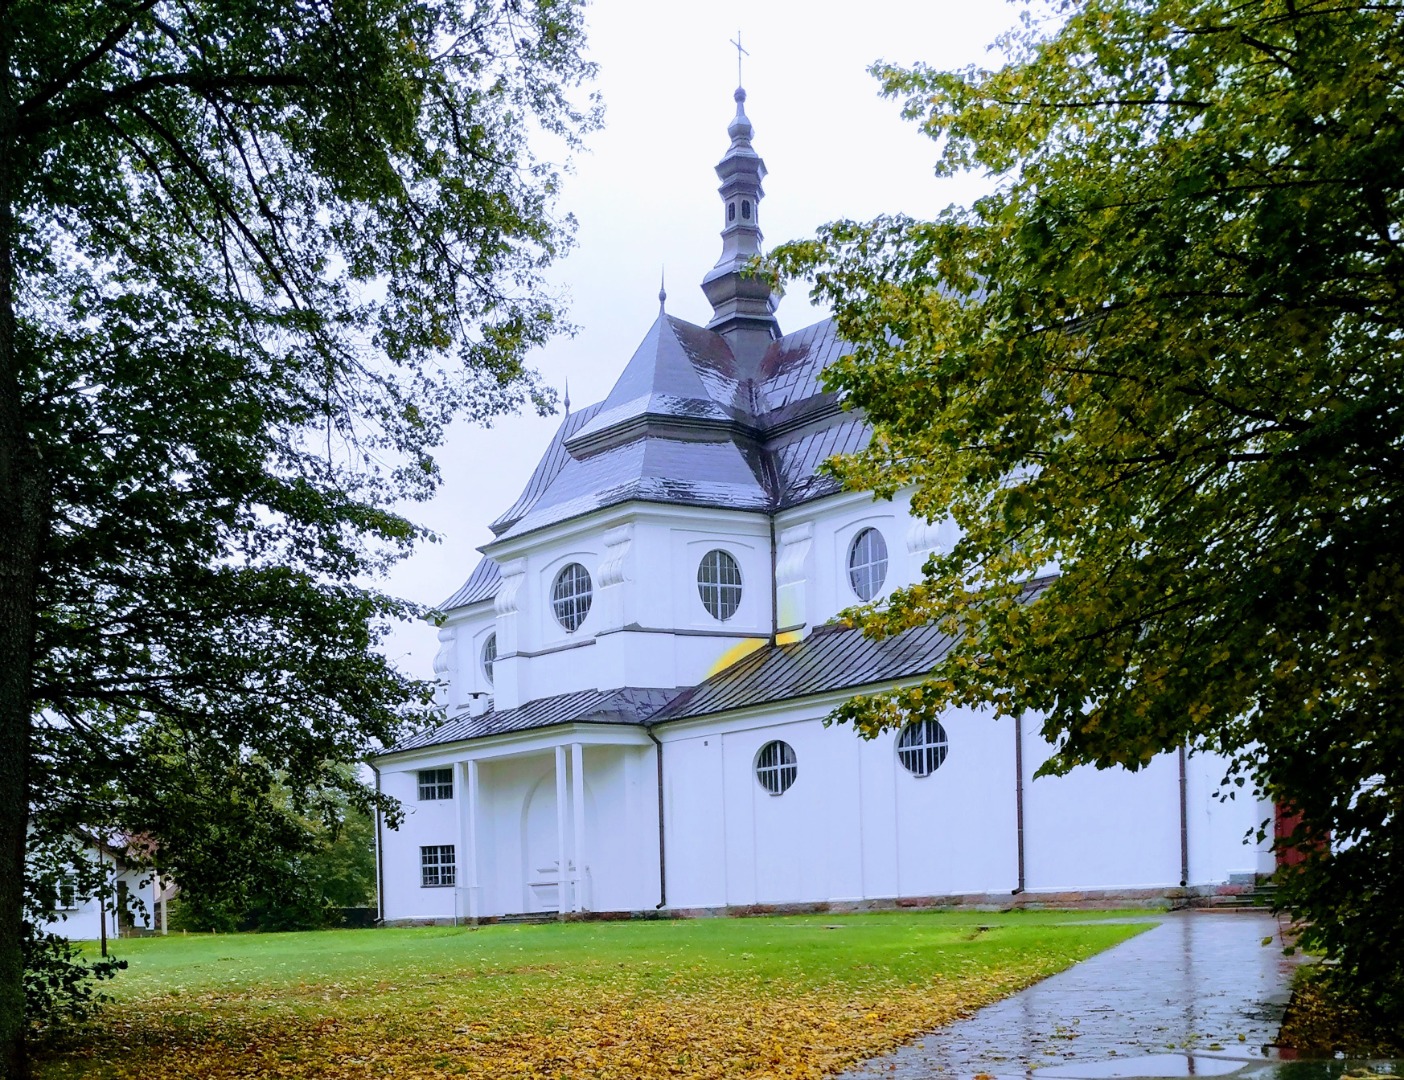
x: 742, y: 302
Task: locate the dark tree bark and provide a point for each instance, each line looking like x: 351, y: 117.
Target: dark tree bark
x: 21, y: 538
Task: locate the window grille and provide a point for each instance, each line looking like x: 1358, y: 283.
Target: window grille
x: 436, y: 866
x: 436, y: 783
x: 867, y: 563
x: 570, y: 596
x: 489, y: 656
x: 719, y: 584
x: 775, y: 767
x: 922, y: 747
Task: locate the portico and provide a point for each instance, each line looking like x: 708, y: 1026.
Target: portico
x: 538, y: 822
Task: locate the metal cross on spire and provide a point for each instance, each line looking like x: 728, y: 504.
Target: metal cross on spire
x: 740, y: 52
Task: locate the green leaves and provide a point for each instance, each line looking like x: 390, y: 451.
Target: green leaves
x: 1165, y: 356
x: 254, y: 256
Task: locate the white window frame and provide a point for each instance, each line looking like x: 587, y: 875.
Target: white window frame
x: 435, y: 784
x: 487, y: 656
x: 865, y: 567
x: 438, y: 867
x: 571, y: 608
x: 719, y: 584
x: 777, y: 767
x: 922, y: 747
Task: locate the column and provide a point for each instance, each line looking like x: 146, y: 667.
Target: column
x: 562, y: 875
x: 577, y: 809
x: 461, y: 842
x: 470, y: 854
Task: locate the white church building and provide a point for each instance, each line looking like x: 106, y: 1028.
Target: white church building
x: 637, y: 672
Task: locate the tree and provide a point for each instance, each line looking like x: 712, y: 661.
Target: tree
x: 254, y: 254
x: 1166, y: 354
x: 288, y: 872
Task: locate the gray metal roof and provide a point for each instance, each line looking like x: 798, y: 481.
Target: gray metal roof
x: 790, y: 370
x: 798, y: 459
x: 831, y: 658
x: 690, y: 423
x: 627, y: 705
x: 482, y: 584
x: 547, y: 468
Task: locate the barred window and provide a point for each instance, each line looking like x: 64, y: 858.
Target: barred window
x: 867, y: 563
x: 570, y: 596
x: 436, y: 866
x: 719, y: 584
x: 922, y: 747
x: 489, y: 656
x: 436, y: 783
x: 775, y: 767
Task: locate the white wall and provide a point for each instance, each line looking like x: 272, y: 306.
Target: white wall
x: 857, y: 825
x: 83, y: 922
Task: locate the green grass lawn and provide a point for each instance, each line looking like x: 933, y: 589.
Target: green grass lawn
x: 779, y: 996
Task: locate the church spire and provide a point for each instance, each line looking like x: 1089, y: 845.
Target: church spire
x: 742, y: 303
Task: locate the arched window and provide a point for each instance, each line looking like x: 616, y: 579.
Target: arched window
x: 867, y: 563
x: 489, y: 656
x: 719, y: 584
x: 731, y: 211
x: 746, y: 209
x: 922, y: 747
x: 776, y: 768
x: 570, y: 596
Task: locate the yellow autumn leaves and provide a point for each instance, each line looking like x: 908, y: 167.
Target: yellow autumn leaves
x: 573, y: 1031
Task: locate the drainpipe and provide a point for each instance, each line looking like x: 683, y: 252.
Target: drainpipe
x: 774, y: 587
x: 662, y: 844
x: 379, y: 865
x: 1184, y: 822
x: 1019, y: 796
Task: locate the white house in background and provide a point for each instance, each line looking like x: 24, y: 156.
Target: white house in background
x: 129, y: 908
x: 637, y: 672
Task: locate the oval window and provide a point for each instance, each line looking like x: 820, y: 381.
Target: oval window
x: 867, y: 563
x: 776, y: 767
x: 489, y: 656
x: 570, y: 596
x: 922, y: 747
x: 719, y: 584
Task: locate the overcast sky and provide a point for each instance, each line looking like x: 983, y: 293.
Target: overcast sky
x: 645, y: 197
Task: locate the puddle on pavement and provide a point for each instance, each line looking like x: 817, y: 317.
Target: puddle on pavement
x: 1168, y: 1066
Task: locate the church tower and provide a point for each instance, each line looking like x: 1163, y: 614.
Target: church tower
x: 743, y: 305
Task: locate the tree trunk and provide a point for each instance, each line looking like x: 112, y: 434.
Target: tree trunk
x: 22, y: 509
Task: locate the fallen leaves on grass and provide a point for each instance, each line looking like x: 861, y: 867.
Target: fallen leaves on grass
x: 727, y: 1030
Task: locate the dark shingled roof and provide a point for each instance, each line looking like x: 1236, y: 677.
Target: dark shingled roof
x: 628, y: 705
x: 831, y: 658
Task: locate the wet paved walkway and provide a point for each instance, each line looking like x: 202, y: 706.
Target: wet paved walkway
x: 1198, y: 995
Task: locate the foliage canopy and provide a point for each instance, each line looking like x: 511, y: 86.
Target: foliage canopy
x: 254, y: 255
x: 1165, y: 355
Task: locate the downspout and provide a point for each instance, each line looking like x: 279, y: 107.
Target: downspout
x: 1019, y: 796
x: 662, y: 842
x: 379, y: 865
x: 1184, y: 822
x: 774, y: 587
